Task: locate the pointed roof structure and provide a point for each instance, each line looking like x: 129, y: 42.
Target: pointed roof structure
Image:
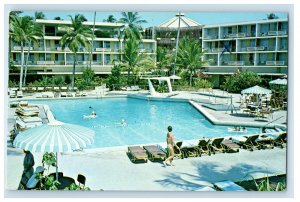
x: 185, y: 22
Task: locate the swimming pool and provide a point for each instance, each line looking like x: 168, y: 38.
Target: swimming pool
x: 147, y: 121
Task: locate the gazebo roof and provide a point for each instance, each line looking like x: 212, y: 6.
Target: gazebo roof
x: 185, y: 22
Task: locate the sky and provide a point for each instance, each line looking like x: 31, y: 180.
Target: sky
x: 157, y: 18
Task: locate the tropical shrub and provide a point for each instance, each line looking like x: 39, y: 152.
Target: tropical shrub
x: 202, y: 83
x: 74, y: 187
x: 58, y: 81
x: 265, y: 185
x: 116, y: 80
x: 238, y: 82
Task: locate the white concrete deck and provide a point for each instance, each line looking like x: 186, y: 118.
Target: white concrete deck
x: 111, y: 169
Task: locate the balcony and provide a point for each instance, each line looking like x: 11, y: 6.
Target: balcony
x: 103, y: 49
x: 45, y: 62
x: 237, y: 35
x: 236, y: 63
x: 18, y: 48
x: 258, y: 48
x: 275, y: 63
x: 282, y: 48
x: 216, y: 50
x: 210, y: 37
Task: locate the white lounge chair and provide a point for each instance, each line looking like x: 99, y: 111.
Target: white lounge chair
x: 19, y: 94
x: 63, y: 94
x: 38, y: 95
x: 228, y: 185
x: 12, y: 94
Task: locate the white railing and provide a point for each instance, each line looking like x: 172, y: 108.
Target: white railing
x: 19, y: 48
x: 277, y: 33
x: 59, y: 48
x: 236, y: 63
x: 45, y: 62
x: 282, y: 33
x: 258, y: 48
x: 217, y: 49
x: 99, y: 49
x: 274, y: 62
x: 272, y: 33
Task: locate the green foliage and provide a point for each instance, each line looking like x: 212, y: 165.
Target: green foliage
x: 162, y: 88
x: 115, y: 80
x: 265, y: 185
x: 202, y: 83
x: 238, y: 82
x: 12, y: 84
x: 75, y: 187
x: 86, y: 80
x: 58, y: 80
x: 49, y: 159
x: 189, y: 56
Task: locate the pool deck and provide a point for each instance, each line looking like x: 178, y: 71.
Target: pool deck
x: 111, y: 169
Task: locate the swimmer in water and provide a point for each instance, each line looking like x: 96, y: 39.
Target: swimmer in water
x: 91, y: 116
x: 123, y: 123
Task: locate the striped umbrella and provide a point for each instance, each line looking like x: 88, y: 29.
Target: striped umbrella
x: 256, y: 90
x: 55, y: 137
x: 279, y: 82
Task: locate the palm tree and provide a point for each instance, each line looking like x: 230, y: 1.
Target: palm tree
x: 12, y: 16
x: 272, y: 16
x: 20, y: 32
x: 77, y: 35
x: 110, y: 18
x: 134, y: 24
x: 190, y: 56
x: 34, y: 31
x: 163, y: 59
x: 39, y: 15
x: 131, y: 55
x: 92, y: 43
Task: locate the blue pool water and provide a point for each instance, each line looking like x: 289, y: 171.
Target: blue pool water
x: 147, y: 121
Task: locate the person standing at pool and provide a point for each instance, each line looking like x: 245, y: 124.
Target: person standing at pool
x: 170, y: 147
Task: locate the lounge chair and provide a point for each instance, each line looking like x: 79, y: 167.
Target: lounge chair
x: 137, y: 153
x: 154, y: 153
x: 19, y: 94
x: 274, y: 139
x: 230, y: 146
x: 204, y: 147
x: 63, y: 94
x: 216, y: 145
x: 228, y: 185
x: 189, y: 148
x: 248, y: 142
x: 12, y: 94
x: 25, y: 123
x: 38, y: 95
x: 25, y: 113
x: 178, y: 153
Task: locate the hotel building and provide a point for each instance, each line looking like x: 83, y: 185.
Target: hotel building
x: 48, y: 58
x: 258, y: 46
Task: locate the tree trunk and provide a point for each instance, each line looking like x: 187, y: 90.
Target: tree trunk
x: 22, y: 63
x: 128, y: 75
x: 26, y: 63
x: 92, y: 46
x: 191, y: 77
x: 73, y: 77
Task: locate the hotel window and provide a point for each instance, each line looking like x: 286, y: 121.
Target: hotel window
x: 41, y: 56
x: 107, y: 58
x: 106, y: 44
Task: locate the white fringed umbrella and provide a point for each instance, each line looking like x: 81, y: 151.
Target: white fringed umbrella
x: 279, y: 82
x: 257, y: 90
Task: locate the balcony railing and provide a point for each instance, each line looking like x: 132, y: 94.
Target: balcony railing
x: 236, y: 63
x: 208, y: 37
x: 215, y: 50
x: 258, y: 48
x: 18, y: 48
x: 45, y: 62
x: 275, y: 63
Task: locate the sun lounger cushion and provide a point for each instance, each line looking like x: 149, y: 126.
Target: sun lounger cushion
x: 229, y: 186
x: 154, y: 152
x: 137, y: 153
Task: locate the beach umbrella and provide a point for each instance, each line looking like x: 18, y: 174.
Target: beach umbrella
x: 256, y: 90
x: 55, y: 137
x: 279, y: 82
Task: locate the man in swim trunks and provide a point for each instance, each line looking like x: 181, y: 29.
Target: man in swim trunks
x: 170, y: 147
